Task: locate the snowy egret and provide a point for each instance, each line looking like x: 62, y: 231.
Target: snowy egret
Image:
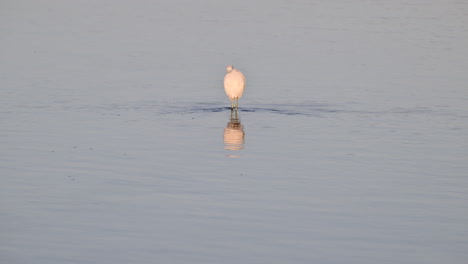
x: 234, y: 84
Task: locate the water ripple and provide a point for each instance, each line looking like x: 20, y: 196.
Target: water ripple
x: 306, y: 109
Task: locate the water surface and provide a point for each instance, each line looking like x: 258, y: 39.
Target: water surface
x: 350, y: 144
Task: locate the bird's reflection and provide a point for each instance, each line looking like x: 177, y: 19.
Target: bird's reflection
x: 234, y: 133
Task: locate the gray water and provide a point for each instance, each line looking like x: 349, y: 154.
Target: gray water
x: 350, y: 144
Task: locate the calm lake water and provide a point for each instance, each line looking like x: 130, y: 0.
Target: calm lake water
x: 350, y: 144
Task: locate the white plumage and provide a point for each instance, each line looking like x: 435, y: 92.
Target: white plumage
x: 234, y: 84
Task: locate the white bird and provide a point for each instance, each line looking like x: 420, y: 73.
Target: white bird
x: 234, y: 84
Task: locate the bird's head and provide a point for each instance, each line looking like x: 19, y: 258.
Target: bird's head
x: 229, y: 68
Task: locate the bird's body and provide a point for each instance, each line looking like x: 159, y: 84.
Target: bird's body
x: 234, y: 84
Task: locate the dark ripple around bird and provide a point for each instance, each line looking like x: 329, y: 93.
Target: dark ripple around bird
x: 304, y: 109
